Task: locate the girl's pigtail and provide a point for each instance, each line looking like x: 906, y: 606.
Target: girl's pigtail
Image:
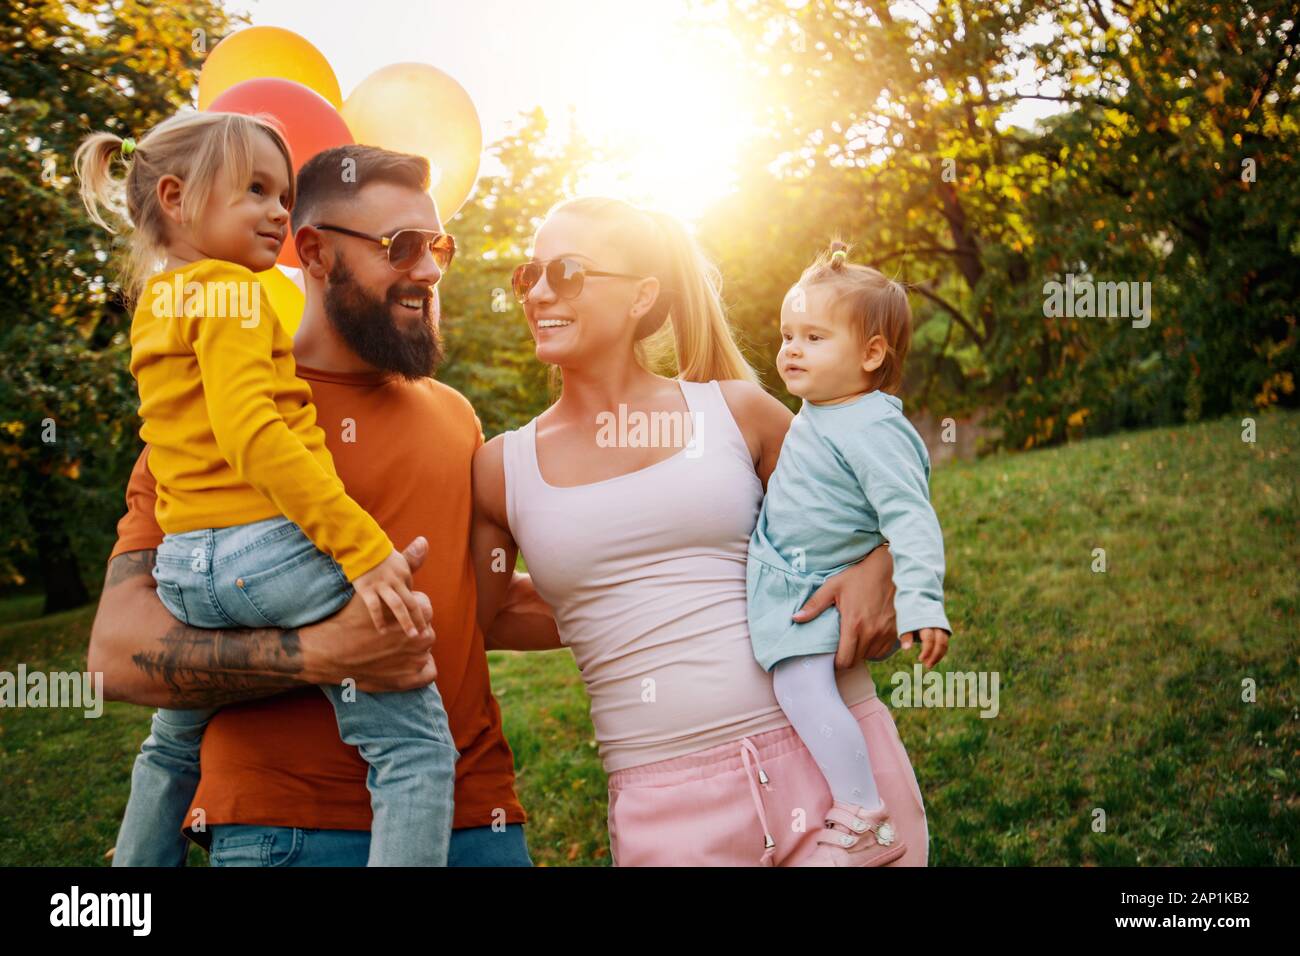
x: 101, y: 191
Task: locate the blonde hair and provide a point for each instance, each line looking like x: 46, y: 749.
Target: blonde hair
x: 190, y: 146
x: 696, y: 335
x: 874, y: 304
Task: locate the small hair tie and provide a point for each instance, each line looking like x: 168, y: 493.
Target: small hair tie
x: 838, y: 257
x: 127, y: 147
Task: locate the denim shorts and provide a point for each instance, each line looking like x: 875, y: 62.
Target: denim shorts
x: 264, y: 574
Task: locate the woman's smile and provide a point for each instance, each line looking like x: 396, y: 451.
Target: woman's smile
x: 553, y: 325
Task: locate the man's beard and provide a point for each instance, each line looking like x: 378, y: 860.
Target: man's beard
x: 367, y: 325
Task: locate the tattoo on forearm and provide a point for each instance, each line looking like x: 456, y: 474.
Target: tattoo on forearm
x: 127, y: 566
x: 209, y: 667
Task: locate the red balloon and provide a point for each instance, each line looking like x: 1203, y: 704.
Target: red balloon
x: 309, y: 122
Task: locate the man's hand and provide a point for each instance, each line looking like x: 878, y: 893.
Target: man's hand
x: 864, y: 595
x: 934, y: 644
x: 347, y: 645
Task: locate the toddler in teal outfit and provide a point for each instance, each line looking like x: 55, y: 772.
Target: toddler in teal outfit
x: 853, y: 473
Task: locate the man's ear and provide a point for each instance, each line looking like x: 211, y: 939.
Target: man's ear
x: 311, y: 251
x: 169, y: 198
x: 874, y: 353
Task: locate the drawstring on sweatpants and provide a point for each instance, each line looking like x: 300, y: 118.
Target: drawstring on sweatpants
x: 769, y: 845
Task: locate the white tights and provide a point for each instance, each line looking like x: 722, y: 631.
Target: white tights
x: 806, y: 689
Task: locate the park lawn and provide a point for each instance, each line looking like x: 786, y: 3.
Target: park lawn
x: 1120, y: 693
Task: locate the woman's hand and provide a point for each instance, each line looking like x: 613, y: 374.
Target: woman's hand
x: 864, y: 595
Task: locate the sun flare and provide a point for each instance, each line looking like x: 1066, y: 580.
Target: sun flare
x: 668, y: 102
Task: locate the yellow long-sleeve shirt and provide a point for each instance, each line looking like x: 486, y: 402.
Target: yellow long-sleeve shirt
x: 232, y: 428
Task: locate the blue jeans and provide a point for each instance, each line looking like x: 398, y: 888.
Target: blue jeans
x: 269, y: 574
x: 244, y: 845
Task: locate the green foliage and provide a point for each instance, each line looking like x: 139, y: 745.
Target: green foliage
x: 1175, y: 168
x: 67, y: 401
x: 888, y: 125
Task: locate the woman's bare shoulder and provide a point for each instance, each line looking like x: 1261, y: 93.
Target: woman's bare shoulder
x: 491, y: 453
x: 750, y: 402
x: 762, y: 420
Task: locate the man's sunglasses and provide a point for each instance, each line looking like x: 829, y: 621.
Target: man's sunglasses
x: 406, y: 246
x: 564, y: 276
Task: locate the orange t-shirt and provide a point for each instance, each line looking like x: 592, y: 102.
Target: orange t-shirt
x: 403, y: 450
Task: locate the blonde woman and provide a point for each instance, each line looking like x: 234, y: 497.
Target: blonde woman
x: 640, y: 550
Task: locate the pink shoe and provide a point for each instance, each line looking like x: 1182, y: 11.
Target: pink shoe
x: 857, y: 837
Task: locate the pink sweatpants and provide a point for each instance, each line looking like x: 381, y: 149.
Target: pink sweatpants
x: 759, y: 801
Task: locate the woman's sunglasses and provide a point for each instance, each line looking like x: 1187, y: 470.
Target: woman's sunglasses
x: 564, y: 276
x: 406, y: 246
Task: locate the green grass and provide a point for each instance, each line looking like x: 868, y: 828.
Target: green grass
x: 1119, y: 691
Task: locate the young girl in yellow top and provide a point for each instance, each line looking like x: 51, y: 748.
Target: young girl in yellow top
x: 259, y: 531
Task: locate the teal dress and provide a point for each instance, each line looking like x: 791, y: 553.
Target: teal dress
x: 849, y: 477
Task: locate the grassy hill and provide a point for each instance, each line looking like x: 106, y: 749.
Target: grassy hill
x: 1122, y: 692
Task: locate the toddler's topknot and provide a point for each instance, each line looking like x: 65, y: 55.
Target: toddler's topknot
x: 874, y: 303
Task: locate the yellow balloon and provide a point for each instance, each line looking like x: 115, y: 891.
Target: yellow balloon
x: 259, y: 52
x: 286, y: 298
x: 417, y: 108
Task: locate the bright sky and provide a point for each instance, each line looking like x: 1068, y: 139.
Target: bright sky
x: 632, y: 71
x: 620, y: 65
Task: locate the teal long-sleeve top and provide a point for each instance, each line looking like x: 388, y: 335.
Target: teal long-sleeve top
x: 850, y: 477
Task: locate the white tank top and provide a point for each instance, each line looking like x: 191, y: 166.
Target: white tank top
x: 646, y: 575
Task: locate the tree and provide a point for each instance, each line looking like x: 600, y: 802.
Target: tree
x: 887, y: 123
x: 67, y: 401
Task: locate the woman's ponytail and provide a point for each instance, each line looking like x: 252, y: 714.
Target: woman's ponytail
x: 702, y: 338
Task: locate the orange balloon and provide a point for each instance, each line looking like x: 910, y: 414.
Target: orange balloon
x: 417, y: 108
x: 260, y: 52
